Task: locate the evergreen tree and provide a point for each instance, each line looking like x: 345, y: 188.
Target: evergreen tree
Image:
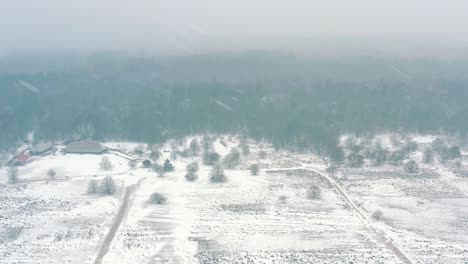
x: 168, y: 167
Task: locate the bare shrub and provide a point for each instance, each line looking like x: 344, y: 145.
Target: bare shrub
x: 254, y: 169
x: 108, y: 186
x: 283, y: 199
x: 92, y: 187
x: 105, y: 164
x: 51, y: 173
x: 192, y: 169
x: 13, y: 177
x: 314, y: 193
x: 158, y: 169
x: 217, y: 173
x: 132, y: 164
x: 411, y: 167
x: 157, y: 198
x: 231, y: 160
x: 377, y: 215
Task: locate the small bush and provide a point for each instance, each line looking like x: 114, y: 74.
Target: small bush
x: 192, y: 169
x: 411, y: 167
x: 211, y: 158
x: 217, y: 174
x: 254, y: 169
x: 158, y: 169
x: 355, y: 160
x: 283, y: 199
x: 132, y: 164
x: 262, y: 154
x: 168, y: 167
x: 108, y: 186
x: 147, y: 163
x: 191, y: 176
x: 92, y: 187
x: 377, y: 215
x: 314, y: 193
x: 105, y: 164
x: 157, y: 198
x: 51, y: 173
x: 428, y: 156
x: 12, y: 175
x: 231, y: 160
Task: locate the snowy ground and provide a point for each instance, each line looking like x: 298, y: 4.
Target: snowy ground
x: 240, y: 221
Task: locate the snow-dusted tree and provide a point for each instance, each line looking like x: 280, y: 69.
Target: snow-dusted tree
x: 254, y: 169
x: 108, y: 185
x: 453, y: 152
x: 158, y: 169
x: 92, y: 187
x: 132, y: 164
x: 192, y: 170
x: 410, y: 147
x: 210, y: 158
x: 207, y: 144
x: 194, y: 147
x: 51, y: 173
x: 231, y: 160
x: 147, y: 163
x: 157, y: 198
x: 105, y: 164
x: 378, y: 155
x: 314, y: 193
x: 355, y: 160
x: 168, y: 167
x: 283, y: 199
x: 12, y: 174
x: 217, y: 173
x: 244, y: 146
x: 155, y: 154
x: 377, y: 215
x: 428, y: 156
x: 439, y: 146
x: 411, y: 167
x: 396, y: 157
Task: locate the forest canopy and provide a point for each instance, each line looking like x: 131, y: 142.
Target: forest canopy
x: 291, y: 101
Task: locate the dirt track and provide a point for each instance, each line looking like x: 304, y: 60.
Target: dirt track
x: 123, y: 210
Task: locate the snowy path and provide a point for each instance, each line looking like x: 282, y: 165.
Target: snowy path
x: 379, y: 234
x: 123, y: 210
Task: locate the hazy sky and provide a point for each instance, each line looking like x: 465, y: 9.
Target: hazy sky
x: 183, y: 25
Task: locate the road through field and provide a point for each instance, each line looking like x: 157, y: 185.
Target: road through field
x: 123, y: 210
x: 380, y: 235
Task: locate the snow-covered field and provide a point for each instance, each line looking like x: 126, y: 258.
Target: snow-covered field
x: 248, y: 219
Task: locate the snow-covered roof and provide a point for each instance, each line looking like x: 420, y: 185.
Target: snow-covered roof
x: 84, y: 147
x: 41, y: 147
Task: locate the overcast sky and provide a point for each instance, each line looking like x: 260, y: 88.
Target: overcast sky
x: 31, y: 26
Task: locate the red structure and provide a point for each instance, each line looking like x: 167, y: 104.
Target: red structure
x: 21, y: 159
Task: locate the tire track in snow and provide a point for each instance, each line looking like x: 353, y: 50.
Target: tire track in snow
x: 380, y: 235
x: 123, y: 210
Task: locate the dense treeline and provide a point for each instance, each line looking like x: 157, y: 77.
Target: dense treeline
x: 303, y: 103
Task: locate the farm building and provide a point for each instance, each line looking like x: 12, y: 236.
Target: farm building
x: 40, y: 149
x: 85, y: 147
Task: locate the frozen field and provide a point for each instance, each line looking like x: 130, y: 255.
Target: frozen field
x: 248, y: 219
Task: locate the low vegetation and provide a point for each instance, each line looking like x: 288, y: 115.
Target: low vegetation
x: 157, y: 198
x: 105, y: 164
x: 254, y: 169
x: 192, y: 171
x: 314, y: 193
x: 217, y: 174
x: 13, y: 177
